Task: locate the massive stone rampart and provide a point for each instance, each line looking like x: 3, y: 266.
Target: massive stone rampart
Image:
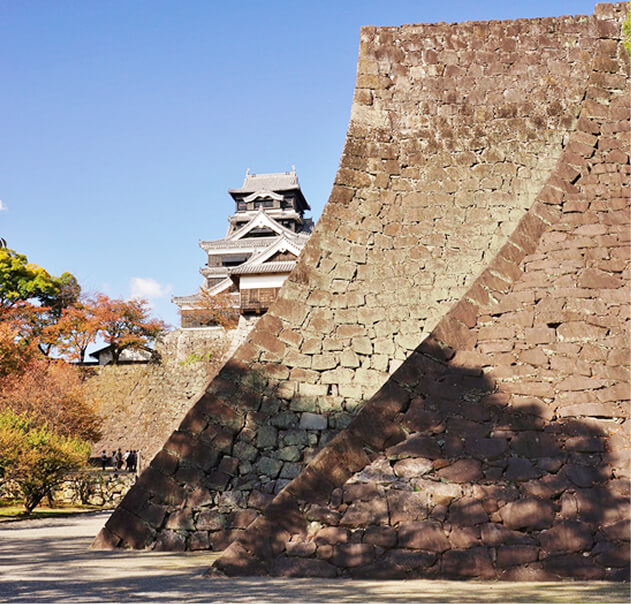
x: 465, y: 155
x: 141, y: 404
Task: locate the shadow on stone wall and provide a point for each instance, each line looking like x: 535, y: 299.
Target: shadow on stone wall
x: 238, y: 446
x: 439, y: 475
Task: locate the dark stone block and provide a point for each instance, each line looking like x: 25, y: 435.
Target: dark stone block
x: 284, y: 514
x: 199, y: 497
x: 194, y: 421
x: 530, y: 514
x: 380, y: 570
x: 330, y: 535
x: 216, y: 481
x: 497, y: 534
x: 419, y: 419
x: 618, y: 531
x: 236, y: 561
x: 462, y: 537
x: 513, y: 555
x: 520, y: 469
x: 612, y: 554
x: 427, y: 535
x: 566, y: 537
x: 164, y: 489
x: 547, y: 487
x: 406, y: 506
x: 575, y: 566
x: 467, y: 512
x: 180, y: 520
x: 165, y: 462
x: 105, y: 540
x: 472, y: 562
x: 211, y: 520
x: 302, y: 567
x: 241, y: 518
x: 585, y: 476
x: 408, y: 560
x: 463, y: 470
x: 601, y: 505
x: 528, y: 572
x: 350, y: 555
x: 533, y: 444
x: 189, y: 475
x: 300, y: 549
x: 153, y: 514
x: 383, y: 536
x: 259, y: 500
x: 583, y: 443
x: 220, y: 540
x: 179, y: 444
x: 416, y: 445
x: 169, y: 541
x: 485, y: 448
x: 132, y: 531
x: 135, y: 498
x: 362, y: 491
x: 364, y: 513
x: 199, y: 541
x: 312, y: 486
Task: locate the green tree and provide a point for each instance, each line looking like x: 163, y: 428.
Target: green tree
x: 32, y: 297
x: 35, y: 457
x: 22, y: 281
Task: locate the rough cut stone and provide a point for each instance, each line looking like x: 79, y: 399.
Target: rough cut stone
x: 312, y: 421
x: 531, y: 514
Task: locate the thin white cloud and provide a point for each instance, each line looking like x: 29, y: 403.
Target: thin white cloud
x: 2, y: 206
x: 149, y: 289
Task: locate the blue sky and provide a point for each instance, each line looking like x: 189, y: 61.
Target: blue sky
x: 124, y: 122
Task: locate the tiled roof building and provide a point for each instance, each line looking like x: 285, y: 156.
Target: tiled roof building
x: 264, y: 238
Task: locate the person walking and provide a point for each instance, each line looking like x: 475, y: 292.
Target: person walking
x: 104, y: 460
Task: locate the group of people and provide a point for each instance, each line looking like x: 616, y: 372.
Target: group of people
x: 118, y: 459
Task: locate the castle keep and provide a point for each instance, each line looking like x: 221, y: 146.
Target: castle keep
x: 264, y: 238
x: 441, y: 388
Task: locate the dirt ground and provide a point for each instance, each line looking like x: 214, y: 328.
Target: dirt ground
x: 48, y: 560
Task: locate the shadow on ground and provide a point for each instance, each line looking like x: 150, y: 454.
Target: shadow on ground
x: 48, y: 560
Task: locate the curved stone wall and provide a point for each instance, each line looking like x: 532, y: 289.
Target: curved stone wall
x: 500, y: 448
x: 454, y: 130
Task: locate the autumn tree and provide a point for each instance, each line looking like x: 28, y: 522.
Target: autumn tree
x: 76, y: 328
x: 51, y: 392
x: 31, y: 297
x: 36, y: 457
x: 214, y: 309
x: 126, y: 324
x: 15, y: 352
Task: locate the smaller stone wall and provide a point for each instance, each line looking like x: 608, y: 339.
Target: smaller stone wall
x: 103, y: 489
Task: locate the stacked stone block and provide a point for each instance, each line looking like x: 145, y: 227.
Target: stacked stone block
x: 454, y: 131
x: 500, y: 448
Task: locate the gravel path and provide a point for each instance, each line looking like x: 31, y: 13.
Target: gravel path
x: 48, y: 560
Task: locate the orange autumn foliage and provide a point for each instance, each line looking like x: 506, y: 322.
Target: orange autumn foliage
x: 52, y: 393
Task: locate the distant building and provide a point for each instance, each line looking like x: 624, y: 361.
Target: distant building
x: 103, y: 356
x: 264, y: 237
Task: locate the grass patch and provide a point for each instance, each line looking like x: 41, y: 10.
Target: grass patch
x: 14, y: 510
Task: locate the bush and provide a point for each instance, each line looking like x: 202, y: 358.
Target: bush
x: 35, y: 457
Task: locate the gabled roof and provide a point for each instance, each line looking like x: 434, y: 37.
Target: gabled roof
x: 261, y: 220
x: 276, y: 181
x: 272, y: 182
x: 257, y: 262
